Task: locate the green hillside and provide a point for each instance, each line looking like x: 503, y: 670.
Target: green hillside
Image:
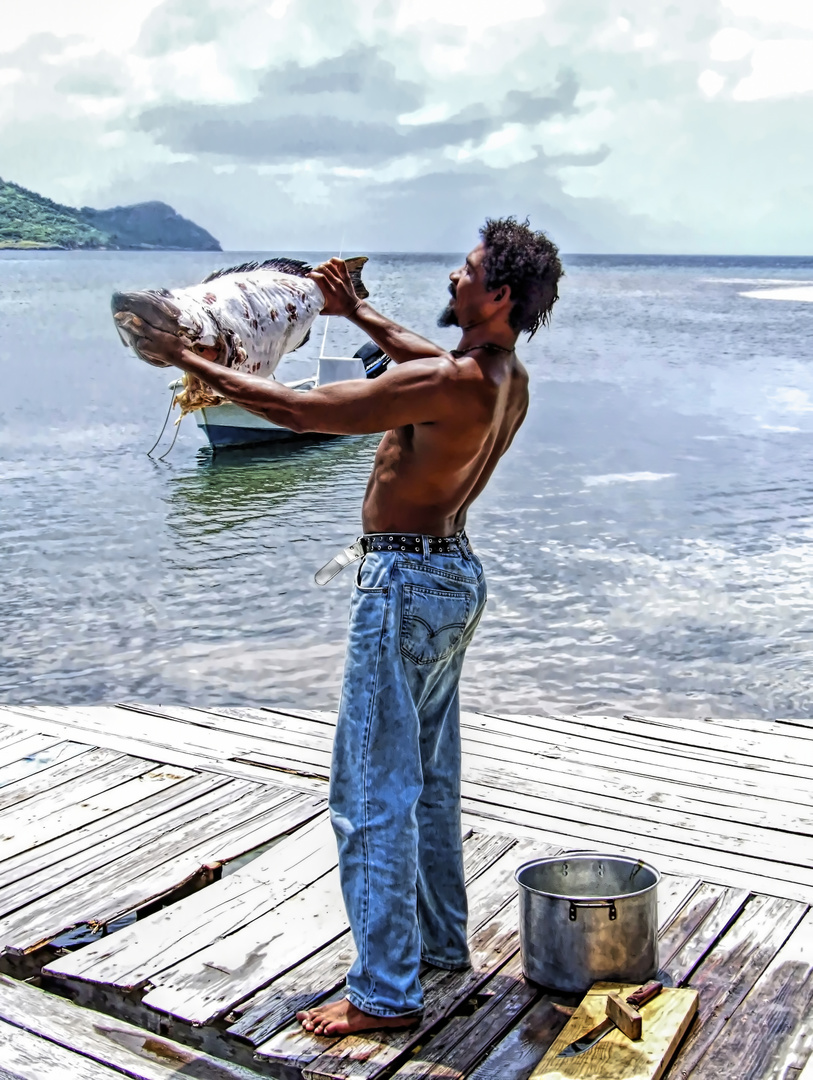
x: 28, y: 220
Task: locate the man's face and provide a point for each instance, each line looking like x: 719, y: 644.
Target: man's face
x: 469, y: 294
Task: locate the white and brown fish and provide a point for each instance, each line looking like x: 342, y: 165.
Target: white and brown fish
x: 244, y: 317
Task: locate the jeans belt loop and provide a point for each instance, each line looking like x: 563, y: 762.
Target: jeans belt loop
x: 427, y: 551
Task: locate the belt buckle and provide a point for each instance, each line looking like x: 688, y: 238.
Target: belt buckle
x: 352, y: 553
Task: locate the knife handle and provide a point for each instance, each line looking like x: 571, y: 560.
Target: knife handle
x: 644, y: 994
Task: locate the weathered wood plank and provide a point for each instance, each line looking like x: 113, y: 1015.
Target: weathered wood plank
x: 256, y: 724
x: 33, y: 874
x: 751, y: 874
x: 504, y: 784
x: 323, y: 972
x: 518, y: 1054
x: 463, y: 1040
x: 76, y: 1038
x: 604, y: 781
x: 25, y: 1057
x: 132, y: 956
x: 489, y: 897
x: 19, y: 833
x: 768, y: 752
x: 218, y: 828
x: 215, y: 979
x: 696, y: 928
x: 48, y: 769
x: 726, y: 975
x: 769, y: 1032
x: 367, y: 1056
x: 595, y: 744
x: 11, y: 754
x: 613, y: 830
x: 122, y: 739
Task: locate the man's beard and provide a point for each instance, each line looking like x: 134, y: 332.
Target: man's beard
x: 448, y: 316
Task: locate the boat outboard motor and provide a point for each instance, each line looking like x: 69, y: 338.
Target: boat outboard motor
x: 375, y: 360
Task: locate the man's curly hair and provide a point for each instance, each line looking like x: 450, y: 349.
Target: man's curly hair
x: 526, y: 261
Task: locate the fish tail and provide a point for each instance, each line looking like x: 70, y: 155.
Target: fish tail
x: 354, y: 269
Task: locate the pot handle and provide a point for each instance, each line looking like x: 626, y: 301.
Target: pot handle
x: 576, y: 904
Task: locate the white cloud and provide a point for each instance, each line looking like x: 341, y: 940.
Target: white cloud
x: 730, y: 44
x: 710, y: 82
x: 778, y: 69
x: 700, y: 104
x: 793, y: 12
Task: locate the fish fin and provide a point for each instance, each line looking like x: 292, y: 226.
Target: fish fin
x: 304, y: 341
x: 295, y: 267
x: 354, y: 269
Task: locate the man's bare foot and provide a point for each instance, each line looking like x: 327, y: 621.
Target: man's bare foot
x: 343, y: 1018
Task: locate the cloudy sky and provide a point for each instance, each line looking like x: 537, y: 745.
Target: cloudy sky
x: 618, y: 125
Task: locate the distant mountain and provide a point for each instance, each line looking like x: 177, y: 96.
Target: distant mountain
x: 29, y: 220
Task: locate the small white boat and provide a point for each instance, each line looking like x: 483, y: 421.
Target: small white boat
x: 229, y: 425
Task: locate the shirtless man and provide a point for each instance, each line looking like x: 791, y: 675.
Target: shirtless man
x: 418, y: 597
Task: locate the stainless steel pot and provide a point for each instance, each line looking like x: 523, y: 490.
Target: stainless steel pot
x: 586, y: 917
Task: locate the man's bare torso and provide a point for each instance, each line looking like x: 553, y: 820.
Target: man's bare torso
x: 426, y: 475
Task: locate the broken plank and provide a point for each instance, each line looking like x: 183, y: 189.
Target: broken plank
x: 91, y: 1038
x: 137, y: 953
x: 323, y: 972
x: 769, y: 1032
x: 214, y: 980
x: 33, y: 874
x: 216, y: 825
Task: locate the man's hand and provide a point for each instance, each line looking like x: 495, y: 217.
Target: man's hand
x: 333, y: 279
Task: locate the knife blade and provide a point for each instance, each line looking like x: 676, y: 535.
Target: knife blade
x: 587, y: 1041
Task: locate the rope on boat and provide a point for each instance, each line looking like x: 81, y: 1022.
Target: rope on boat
x: 174, y: 437
x: 166, y: 421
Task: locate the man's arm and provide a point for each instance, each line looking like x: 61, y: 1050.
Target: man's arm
x: 421, y: 392
x: 397, y: 342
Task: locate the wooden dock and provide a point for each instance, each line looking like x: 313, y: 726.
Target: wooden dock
x: 169, y: 894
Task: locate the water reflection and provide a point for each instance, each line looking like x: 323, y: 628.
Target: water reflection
x: 241, y: 487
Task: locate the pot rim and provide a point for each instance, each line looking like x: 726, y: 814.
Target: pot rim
x: 570, y: 856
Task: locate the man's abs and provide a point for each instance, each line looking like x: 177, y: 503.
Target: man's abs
x: 426, y: 476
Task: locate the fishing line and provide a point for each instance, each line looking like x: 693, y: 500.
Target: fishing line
x: 327, y: 317
x: 166, y: 421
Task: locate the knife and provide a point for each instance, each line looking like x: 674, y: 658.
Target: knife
x: 638, y: 998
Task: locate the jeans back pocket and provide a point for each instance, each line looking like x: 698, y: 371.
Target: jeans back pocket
x: 433, y: 622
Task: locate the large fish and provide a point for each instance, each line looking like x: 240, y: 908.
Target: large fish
x: 244, y: 317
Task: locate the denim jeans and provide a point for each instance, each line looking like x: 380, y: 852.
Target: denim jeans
x: 395, y: 776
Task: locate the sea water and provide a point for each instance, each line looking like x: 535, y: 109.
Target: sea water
x: 648, y: 540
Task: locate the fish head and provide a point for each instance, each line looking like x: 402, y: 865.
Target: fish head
x: 162, y: 310
x: 132, y: 311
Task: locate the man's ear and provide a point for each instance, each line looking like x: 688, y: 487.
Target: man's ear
x: 501, y: 293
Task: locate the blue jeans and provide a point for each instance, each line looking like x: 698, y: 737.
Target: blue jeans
x: 395, y: 776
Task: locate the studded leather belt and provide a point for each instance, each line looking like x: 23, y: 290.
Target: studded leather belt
x: 415, y: 543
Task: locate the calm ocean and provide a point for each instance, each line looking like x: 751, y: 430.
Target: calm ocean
x: 648, y: 540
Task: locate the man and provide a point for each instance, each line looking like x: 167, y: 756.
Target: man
x: 419, y: 594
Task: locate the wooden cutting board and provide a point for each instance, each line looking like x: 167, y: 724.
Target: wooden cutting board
x: 666, y: 1019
